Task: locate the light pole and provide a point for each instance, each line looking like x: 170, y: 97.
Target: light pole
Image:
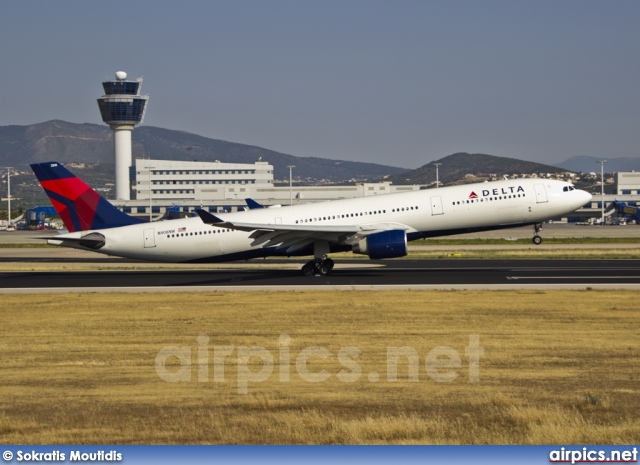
x: 602, y: 162
x: 437, y: 175
x: 291, y: 167
x: 150, y: 196
x: 9, y: 198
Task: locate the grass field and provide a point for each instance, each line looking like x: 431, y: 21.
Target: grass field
x: 557, y: 367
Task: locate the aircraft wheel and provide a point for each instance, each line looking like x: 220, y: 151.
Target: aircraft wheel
x: 329, y: 263
x: 537, y: 240
x: 324, y: 269
x: 309, y: 269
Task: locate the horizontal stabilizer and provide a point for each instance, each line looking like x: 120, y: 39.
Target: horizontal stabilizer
x: 92, y: 241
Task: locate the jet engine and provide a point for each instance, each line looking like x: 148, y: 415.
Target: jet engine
x: 385, y: 244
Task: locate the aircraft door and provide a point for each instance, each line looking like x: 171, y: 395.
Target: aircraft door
x: 149, y: 238
x: 541, y: 193
x: 436, y: 205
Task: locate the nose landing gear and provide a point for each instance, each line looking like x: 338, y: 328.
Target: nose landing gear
x: 537, y: 240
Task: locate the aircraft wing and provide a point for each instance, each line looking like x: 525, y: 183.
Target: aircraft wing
x: 294, y: 237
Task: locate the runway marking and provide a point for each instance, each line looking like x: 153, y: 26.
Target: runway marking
x: 572, y: 277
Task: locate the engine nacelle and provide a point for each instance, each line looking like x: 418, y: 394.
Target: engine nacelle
x: 385, y: 244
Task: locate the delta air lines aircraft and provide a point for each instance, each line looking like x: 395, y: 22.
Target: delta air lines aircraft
x: 377, y: 226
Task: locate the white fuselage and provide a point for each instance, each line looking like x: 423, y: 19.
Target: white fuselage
x: 426, y: 213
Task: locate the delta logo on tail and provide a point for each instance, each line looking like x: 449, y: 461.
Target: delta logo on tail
x: 80, y: 207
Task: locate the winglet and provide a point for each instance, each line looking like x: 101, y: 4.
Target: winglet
x: 252, y: 204
x: 208, y: 218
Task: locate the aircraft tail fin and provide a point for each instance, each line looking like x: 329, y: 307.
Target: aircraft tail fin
x: 208, y: 218
x: 80, y: 207
x: 252, y: 204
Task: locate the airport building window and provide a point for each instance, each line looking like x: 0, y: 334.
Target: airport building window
x: 122, y: 109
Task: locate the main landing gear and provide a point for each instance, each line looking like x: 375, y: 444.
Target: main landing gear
x: 320, y: 265
x: 537, y: 240
x: 317, y: 267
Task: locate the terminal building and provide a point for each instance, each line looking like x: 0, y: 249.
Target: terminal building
x: 163, y: 185
x: 627, y: 183
x: 160, y: 186
x: 625, y: 188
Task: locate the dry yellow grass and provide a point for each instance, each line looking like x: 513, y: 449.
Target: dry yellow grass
x: 558, y: 367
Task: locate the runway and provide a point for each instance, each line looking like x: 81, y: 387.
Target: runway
x: 348, y: 275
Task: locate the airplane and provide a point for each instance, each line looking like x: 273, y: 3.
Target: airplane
x: 376, y: 226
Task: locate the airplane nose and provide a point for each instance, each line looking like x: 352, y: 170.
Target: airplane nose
x: 584, y: 197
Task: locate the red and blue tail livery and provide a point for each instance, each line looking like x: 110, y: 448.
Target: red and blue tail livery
x: 80, y: 207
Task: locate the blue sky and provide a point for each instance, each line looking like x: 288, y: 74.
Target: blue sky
x: 394, y: 82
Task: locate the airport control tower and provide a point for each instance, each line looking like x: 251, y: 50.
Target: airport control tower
x: 122, y: 107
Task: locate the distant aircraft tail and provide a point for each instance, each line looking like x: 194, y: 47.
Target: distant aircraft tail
x: 80, y: 207
x: 252, y: 204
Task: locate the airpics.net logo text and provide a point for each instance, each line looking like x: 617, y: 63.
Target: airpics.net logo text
x: 257, y: 364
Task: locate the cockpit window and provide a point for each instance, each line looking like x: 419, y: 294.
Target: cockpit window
x: 568, y: 188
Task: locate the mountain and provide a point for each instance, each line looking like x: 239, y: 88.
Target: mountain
x: 457, y: 166
x: 91, y: 143
x: 586, y: 164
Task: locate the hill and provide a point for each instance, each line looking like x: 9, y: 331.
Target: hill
x: 586, y: 164
x: 456, y: 167
x: 91, y: 143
